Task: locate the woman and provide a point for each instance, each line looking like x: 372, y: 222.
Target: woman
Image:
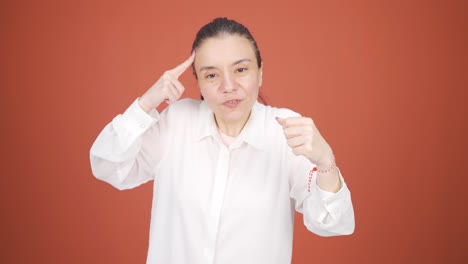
x: 228, y: 171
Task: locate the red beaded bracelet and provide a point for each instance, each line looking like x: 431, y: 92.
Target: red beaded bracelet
x: 315, y: 170
x: 329, y: 169
x: 311, y: 175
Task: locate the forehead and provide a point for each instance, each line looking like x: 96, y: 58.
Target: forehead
x: 224, y: 49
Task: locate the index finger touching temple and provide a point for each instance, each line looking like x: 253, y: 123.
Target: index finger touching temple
x: 181, y: 68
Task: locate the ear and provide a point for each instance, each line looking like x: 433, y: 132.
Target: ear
x: 260, y: 76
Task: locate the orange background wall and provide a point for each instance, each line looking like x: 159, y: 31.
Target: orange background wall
x: 385, y: 82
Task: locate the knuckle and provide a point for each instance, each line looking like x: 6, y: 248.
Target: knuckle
x: 166, y: 82
x: 167, y: 75
x: 179, y: 88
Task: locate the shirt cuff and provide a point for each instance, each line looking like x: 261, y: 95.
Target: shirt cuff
x: 136, y: 118
x: 335, y: 202
x: 133, y: 123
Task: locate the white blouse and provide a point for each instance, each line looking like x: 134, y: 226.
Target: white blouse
x: 214, y: 203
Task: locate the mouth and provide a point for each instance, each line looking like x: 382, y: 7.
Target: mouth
x: 232, y: 103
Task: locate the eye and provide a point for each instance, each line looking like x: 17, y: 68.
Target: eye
x: 210, y: 76
x: 240, y: 70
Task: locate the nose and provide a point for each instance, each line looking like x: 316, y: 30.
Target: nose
x: 228, y: 84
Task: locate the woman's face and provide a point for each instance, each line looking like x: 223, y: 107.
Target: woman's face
x: 228, y: 77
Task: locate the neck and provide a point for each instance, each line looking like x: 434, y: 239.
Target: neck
x: 231, y: 128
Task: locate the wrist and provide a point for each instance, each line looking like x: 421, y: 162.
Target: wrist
x: 144, y: 105
x: 329, y: 182
x: 327, y: 162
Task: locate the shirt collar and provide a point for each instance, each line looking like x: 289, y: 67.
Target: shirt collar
x: 206, y: 122
x: 253, y: 132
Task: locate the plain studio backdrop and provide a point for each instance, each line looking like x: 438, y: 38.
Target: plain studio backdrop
x: 385, y: 82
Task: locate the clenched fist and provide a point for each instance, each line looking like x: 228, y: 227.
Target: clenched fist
x: 304, y: 139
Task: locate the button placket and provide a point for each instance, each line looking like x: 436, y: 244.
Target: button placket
x: 217, y: 198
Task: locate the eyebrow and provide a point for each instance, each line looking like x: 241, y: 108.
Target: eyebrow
x: 204, y: 68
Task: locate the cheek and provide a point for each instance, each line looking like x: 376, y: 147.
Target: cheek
x: 206, y: 90
x: 209, y: 87
x: 250, y: 84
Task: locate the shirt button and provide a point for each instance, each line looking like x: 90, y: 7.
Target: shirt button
x: 142, y: 125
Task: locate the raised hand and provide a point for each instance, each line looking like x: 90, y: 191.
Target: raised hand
x: 304, y: 139
x: 168, y: 88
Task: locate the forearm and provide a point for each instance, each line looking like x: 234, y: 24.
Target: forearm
x: 117, y: 155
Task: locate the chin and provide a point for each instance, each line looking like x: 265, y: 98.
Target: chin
x: 233, y: 116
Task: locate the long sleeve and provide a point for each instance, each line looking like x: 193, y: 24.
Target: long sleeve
x: 325, y: 213
x: 127, y: 149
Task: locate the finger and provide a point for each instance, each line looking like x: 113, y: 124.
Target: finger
x: 172, y: 93
x: 178, y: 70
x: 300, y: 140
x: 300, y: 150
x: 178, y: 85
x: 296, y: 142
x: 295, y: 131
x: 297, y: 121
x: 166, y: 88
x: 281, y: 121
x: 177, y: 92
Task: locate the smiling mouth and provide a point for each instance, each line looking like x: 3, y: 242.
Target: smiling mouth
x: 232, y: 103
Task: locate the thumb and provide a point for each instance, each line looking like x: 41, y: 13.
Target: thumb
x: 281, y: 121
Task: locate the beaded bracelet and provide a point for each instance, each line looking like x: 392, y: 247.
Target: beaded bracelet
x: 329, y: 169
x: 312, y: 173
